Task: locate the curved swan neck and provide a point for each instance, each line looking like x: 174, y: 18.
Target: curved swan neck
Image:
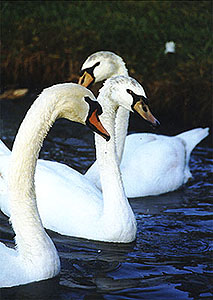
x: 31, y: 238
x: 122, y: 70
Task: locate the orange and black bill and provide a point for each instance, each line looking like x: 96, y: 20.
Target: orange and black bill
x: 140, y: 106
x: 93, y: 121
x: 86, y: 79
x: 143, y: 110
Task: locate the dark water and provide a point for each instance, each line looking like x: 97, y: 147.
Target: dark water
x: 172, y: 255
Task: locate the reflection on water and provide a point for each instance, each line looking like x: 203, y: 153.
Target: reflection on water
x: 171, y: 257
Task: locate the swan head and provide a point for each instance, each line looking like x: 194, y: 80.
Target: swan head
x: 100, y: 66
x: 78, y: 104
x: 125, y: 91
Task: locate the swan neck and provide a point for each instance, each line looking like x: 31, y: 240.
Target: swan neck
x: 122, y: 119
x: 30, y: 234
x: 115, y: 200
x: 121, y: 129
x: 122, y: 70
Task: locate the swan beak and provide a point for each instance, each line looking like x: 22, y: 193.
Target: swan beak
x: 94, y: 123
x: 86, y: 79
x: 143, y: 110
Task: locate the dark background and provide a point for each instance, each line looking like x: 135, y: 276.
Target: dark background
x: 46, y: 42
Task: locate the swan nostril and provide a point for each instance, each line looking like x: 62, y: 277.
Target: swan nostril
x: 82, y: 80
x: 144, y: 108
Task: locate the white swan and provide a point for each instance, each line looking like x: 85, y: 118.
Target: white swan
x: 35, y: 257
x: 82, y: 210
x: 151, y: 164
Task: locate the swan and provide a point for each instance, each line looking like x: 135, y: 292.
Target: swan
x: 151, y: 164
x: 35, y: 257
x: 68, y: 202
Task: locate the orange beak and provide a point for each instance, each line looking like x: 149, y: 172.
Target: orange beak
x: 144, y: 111
x: 86, y: 79
x: 95, y: 124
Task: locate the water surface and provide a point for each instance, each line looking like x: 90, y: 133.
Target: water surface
x: 171, y: 257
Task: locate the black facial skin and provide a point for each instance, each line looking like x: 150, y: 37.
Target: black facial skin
x: 137, y: 98
x: 93, y: 105
x: 144, y: 103
x: 90, y: 71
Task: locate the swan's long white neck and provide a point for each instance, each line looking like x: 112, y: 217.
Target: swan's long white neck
x: 122, y: 119
x: 116, y: 206
x: 31, y: 238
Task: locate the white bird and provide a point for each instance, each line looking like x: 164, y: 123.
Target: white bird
x: 68, y: 202
x: 151, y: 164
x: 169, y: 47
x: 35, y: 257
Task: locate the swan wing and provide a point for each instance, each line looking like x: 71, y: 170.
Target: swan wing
x: 80, y: 201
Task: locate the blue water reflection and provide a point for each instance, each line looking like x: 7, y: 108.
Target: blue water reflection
x: 171, y: 257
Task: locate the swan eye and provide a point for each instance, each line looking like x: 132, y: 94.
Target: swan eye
x: 138, y: 98
x: 129, y: 91
x: 134, y: 96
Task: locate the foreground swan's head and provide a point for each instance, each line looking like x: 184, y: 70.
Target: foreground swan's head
x: 125, y: 91
x: 78, y: 104
x: 100, y: 66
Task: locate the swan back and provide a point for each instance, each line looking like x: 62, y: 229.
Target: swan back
x: 193, y: 137
x: 190, y: 139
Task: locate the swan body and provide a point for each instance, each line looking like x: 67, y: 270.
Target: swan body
x: 68, y: 202
x: 163, y: 166
x: 35, y: 257
x: 162, y: 162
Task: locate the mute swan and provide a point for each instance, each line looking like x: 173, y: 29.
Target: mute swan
x: 36, y: 257
x: 161, y: 162
x: 83, y: 211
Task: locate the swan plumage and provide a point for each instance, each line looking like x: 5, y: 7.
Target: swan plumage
x: 162, y: 162
x: 35, y: 257
x: 83, y: 210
